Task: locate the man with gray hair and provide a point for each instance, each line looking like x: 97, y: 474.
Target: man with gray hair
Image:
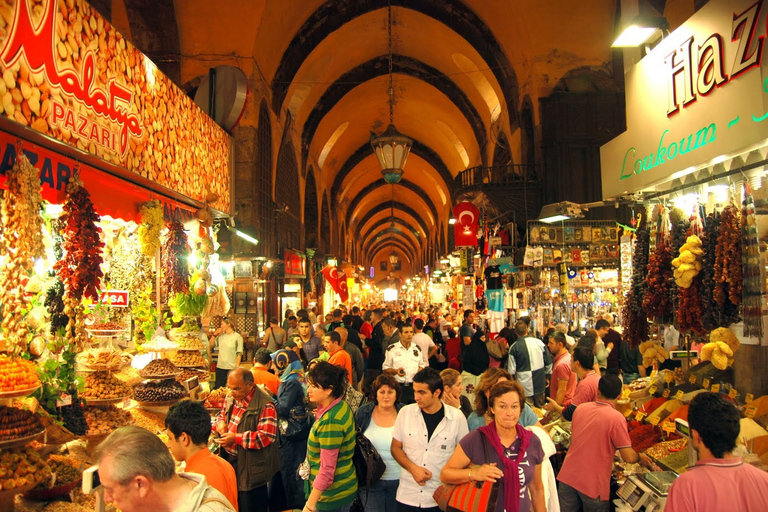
x: 569, y: 341
x: 137, y: 473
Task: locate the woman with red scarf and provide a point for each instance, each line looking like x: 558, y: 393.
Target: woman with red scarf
x: 514, y: 454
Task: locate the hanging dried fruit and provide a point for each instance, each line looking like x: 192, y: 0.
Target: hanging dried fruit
x: 175, y: 263
x: 712, y: 316
x: 728, y: 260
x: 151, y: 224
x: 80, y: 268
x: 657, y: 301
x: 753, y: 283
x: 637, y: 321
x: 22, y: 233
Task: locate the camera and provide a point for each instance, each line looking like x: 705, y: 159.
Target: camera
x: 91, y: 480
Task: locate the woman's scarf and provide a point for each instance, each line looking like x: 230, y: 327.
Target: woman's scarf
x: 288, y: 365
x: 511, y: 479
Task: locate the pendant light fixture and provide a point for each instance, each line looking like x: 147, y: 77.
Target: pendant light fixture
x: 391, y: 147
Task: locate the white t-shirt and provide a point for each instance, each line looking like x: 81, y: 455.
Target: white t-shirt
x: 424, y: 342
x: 230, y: 346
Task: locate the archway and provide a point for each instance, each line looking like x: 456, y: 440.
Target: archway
x: 288, y: 199
x: 310, y: 210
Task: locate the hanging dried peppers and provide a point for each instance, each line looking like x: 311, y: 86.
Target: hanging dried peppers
x: 657, y: 301
x: 637, y: 322
x: 712, y: 316
x: 728, y: 260
x: 80, y: 269
x: 175, y: 264
x: 22, y: 235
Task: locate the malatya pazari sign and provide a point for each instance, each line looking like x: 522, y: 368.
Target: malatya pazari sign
x: 700, y: 94
x: 69, y: 74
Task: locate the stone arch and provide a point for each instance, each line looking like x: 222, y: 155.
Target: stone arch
x: 263, y: 183
x: 310, y: 210
x: 288, y: 199
x: 527, y: 135
x: 154, y: 30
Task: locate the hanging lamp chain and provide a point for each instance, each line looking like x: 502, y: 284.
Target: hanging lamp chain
x: 391, y: 87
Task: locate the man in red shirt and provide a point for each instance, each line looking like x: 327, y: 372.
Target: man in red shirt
x: 339, y: 356
x: 248, y: 427
x: 189, y: 426
x: 587, y: 387
x: 718, y: 481
x: 564, y: 380
x: 598, y: 431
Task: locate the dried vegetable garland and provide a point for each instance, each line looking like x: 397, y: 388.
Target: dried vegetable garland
x: 712, y: 316
x: 728, y: 261
x: 151, y: 224
x: 752, y: 284
x: 637, y: 323
x: 690, y: 310
x: 23, y: 242
x: 657, y: 301
x: 175, y: 263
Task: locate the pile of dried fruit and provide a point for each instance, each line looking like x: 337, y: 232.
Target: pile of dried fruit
x: 17, y: 374
x: 103, y: 420
x: 159, y: 391
x: 17, y: 423
x: 188, y: 374
x: 159, y: 368
x: 216, y: 398
x: 189, y: 358
x: 147, y: 419
x: 21, y: 467
x: 104, y: 386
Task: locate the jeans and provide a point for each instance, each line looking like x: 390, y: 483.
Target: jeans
x: 629, y: 377
x: 572, y: 500
x: 221, y: 378
x: 345, y: 508
x: 380, y: 497
x: 255, y: 500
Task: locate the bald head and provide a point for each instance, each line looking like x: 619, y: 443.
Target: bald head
x: 344, y: 333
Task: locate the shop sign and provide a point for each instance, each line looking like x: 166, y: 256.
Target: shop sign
x: 68, y: 74
x: 114, y: 298
x: 110, y: 195
x: 701, y: 93
x: 295, y: 264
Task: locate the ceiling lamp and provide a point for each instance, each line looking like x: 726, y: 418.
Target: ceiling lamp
x: 391, y: 147
x: 393, y: 259
x: 557, y: 212
x: 639, y: 31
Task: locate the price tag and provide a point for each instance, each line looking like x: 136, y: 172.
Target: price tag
x: 750, y: 412
x: 654, y: 420
x: 212, y: 377
x: 64, y: 400
x: 668, y: 427
x: 749, y: 398
x: 715, y: 388
x: 669, y: 377
x: 625, y: 392
x: 652, y: 389
x: 733, y: 393
x: 654, y: 373
x: 679, y: 394
x: 692, y: 379
x: 705, y: 383
x: 126, y: 402
x: 639, y: 416
x: 665, y: 394
x: 627, y: 413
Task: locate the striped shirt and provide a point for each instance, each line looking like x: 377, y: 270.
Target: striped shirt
x: 530, y: 362
x: 333, y: 431
x: 265, y: 434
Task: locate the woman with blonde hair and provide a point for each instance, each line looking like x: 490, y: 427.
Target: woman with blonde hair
x: 452, y: 387
x: 480, y: 416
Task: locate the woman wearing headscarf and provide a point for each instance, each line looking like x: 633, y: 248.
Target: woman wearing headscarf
x: 288, y: 493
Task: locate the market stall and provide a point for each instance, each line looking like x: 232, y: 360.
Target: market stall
x: 110, y: 182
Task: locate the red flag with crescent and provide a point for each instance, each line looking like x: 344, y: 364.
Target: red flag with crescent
x: 337, y: 281
x: 343, y: 291
x: 467, y: 219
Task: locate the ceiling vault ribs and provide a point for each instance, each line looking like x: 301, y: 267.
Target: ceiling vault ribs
x: 381, y: 183
x: 387, y: 221
x: 370, y: 252
x: 454, y: 14
x: 385, y: 206
x: 403, y: 65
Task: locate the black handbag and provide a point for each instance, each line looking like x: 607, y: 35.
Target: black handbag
x: 297, y: 426
x: 368, y: 463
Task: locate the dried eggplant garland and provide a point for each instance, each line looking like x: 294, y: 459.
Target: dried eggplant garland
x: 752, y: 285
x: 637, y: 322
x: 175, y: 265
x: 23, y: 242
x: 657, y: 302
x: 728, y: 260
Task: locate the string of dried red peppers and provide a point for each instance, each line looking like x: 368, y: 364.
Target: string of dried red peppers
x: 175, y: 265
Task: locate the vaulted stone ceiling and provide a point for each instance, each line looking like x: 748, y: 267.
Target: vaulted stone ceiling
x: 462, y: 72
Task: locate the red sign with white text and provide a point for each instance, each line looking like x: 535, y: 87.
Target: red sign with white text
x: 295, y: 264
x: 114, y: 298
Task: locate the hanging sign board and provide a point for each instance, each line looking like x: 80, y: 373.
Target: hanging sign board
x: 68, y: 74
x: 696, y: 96
x: 295, y: 264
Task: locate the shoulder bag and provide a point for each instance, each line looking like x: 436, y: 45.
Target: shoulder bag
x: 495, y: 349
x: 368, y: 463
x: 470, y: 496
x: 296, y: 427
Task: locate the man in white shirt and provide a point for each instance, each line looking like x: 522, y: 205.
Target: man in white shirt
x: 230, y: 347
x: 404, y: 360
x: 423, y: 340
x: 426, y: 434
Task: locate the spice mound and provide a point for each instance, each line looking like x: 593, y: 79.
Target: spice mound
x: 159, y: 368
x: 103, y: 420
x: 104, y: 386
x: 163, y: 391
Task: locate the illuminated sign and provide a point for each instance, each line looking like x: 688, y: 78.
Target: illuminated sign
x: 68, y: 74
x: 701, y: 93
x: 114, y: 298
x: 295, y: 264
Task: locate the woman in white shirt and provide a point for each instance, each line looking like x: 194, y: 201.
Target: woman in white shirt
x: 377, y: 422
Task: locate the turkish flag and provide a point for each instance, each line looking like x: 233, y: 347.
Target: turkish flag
x: 343, y: 291
x: 337, y: 281
x: 467, y: 219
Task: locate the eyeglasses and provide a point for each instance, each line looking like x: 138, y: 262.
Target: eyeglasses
x: 508, y: 453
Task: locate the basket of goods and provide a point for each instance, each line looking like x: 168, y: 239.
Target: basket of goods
x: 216, y: 398
x: 21, y: 469
x: 105, y: 329
x: 159, y: 392
x: 67, y: 473
x: 104, y: 387
x: 160, y: 369
x: 98, y: 359
x: 18, y: 426
x: 639, y: 388
x: 18, y: 377
x: 102, y: 420
x: 189, y: 359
